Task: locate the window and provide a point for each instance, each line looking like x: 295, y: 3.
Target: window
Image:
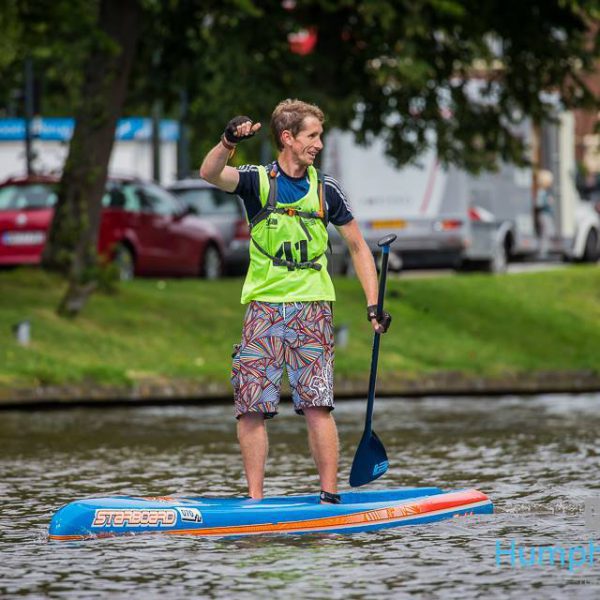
x: 114, y: 198
x: 19, y: 197
x: 121, y: 196
x: 209, y: 201
x: 157, y: 201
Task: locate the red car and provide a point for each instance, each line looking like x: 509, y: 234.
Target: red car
x: 144, y: 228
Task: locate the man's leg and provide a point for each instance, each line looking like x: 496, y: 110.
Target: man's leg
x: 323, y: 441
x: 309, y: 362
x: 254, y: 443
x: 256, y: 378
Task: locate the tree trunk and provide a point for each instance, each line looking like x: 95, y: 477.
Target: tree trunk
x: 73, y: 237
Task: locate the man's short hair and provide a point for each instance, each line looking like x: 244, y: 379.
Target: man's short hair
x: 289, y: 115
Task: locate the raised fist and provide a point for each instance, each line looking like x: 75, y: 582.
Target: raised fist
x: 240, y: 128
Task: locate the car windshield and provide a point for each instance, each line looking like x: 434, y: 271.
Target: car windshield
x: 26, y: 197
x: 208, y: 201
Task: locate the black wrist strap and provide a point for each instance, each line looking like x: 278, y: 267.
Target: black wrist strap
x: 229, y: 145
x: 371, y: 312
x: 330, y: 498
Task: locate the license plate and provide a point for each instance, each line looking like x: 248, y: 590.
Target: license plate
x: 23, y: 238
x: 388, y: 224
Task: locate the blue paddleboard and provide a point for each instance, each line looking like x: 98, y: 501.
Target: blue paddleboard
x: 202, y: 516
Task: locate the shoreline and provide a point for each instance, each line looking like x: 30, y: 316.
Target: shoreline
x: 165, y: 392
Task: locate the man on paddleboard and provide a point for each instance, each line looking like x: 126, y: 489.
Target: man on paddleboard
x: 287, y: 288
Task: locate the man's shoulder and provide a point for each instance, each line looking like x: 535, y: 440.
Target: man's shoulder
x: 331, y: 182
x: 249, y: 179
x: 340, y: 211
x: 248, y: 168
x: 333, y: 188
x: 254, y: 168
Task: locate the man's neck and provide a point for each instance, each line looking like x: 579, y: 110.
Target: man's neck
x: 289, y: 166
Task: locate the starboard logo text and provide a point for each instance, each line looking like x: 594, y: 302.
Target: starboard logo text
x: 132, y: 517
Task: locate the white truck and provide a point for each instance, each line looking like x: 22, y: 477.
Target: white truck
x: 448, y: 217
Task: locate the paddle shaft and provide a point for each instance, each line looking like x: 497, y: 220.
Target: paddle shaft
x: 376, y: 338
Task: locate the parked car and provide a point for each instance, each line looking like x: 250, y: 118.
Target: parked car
x: 225, y: 211
x: 144, y: 228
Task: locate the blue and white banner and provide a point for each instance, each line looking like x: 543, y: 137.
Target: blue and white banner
x: 61, y: 129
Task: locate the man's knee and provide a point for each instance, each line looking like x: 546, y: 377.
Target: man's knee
x: 252, y: 419
x: 250, y: 422
x: 318, y: 414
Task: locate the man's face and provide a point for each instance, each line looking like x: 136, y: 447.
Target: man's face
x: 307, y: 144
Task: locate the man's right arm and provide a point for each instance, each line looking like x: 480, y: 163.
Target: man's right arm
x: 215, y: 170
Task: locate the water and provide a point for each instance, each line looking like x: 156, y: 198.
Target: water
x: 537, y: 458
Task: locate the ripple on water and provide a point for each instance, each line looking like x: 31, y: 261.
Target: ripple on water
x: 536, y: 457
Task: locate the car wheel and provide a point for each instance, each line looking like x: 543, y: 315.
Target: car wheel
x: 125, y: 262
x: 212, y: 263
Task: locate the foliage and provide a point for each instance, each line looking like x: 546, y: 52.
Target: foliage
x: 393, y: 68
x: 57, y: 35
x: 405, y: 70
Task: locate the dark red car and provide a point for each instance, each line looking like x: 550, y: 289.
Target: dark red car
x: 144, y: 228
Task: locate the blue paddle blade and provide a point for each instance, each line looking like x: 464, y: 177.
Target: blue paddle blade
x: 370, y: 460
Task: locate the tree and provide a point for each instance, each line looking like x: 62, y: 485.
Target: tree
x: 73, y: 236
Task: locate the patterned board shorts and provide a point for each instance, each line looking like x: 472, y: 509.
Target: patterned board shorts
x: 296, y: 335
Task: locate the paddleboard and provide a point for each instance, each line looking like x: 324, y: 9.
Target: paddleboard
x: 220, y: 517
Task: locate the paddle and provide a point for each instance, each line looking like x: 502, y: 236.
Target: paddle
x: 370, y: 460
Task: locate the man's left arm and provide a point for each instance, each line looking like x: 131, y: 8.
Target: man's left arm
x: 364, y: 265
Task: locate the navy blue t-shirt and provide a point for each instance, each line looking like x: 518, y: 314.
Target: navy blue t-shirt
x: 290, y: 189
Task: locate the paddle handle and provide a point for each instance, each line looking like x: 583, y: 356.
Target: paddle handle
x: 384, y: 244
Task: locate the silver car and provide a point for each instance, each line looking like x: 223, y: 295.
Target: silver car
x: 225, y: 211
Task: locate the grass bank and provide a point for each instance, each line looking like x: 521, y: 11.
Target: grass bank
x: 184, y: 329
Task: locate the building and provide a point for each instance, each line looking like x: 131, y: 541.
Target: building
x: 131, y: 156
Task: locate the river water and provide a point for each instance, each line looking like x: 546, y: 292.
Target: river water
x: 538, y: 458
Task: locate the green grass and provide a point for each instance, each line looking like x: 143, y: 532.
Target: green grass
x: 184, y: 329
x: 490, y: 326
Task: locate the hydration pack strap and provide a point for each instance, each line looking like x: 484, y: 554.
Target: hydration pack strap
x: 291, y: 265
x: 271, y: 204
x: 271, y: 207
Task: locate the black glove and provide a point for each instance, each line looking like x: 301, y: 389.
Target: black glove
x: 384, y: 319
x: 229, y: 134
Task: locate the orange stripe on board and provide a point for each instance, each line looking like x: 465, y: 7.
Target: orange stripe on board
x: 381, y: 515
